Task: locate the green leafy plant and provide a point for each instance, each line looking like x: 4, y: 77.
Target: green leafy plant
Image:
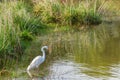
x: 27, y: 36
x: 92, y: 18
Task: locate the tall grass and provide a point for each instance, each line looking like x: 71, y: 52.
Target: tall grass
x: 8, y: 33
x: 17, y: 29
x: 69, y: 12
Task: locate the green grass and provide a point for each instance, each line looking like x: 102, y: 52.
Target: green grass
x: 17, y: 29
x: 83, y: 12
x: 75, y: 13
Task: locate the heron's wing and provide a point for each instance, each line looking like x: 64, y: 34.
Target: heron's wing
x: 36, y: 61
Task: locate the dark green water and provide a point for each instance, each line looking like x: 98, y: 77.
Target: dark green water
x: 89, y: 62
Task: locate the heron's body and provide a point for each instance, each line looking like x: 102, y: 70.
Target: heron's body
x: 37, y: 61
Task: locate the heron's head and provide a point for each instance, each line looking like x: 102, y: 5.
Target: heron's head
x: 44, y: 47
x: 48, y: 49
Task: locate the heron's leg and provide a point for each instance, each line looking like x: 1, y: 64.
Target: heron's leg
x: 29, y: 73
x: 37, y: 68
x: 37, y: 71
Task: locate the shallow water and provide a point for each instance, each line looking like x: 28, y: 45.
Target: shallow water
x: 68, y: 70
x: 103, y: 66
x: 89, y: 60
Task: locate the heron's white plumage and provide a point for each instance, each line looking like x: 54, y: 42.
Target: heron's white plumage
x: 37, y: 61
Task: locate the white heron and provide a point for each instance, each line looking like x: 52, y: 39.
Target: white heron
x: 37, y: 61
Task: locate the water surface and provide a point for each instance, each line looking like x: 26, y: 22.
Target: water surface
x: 90, y: 55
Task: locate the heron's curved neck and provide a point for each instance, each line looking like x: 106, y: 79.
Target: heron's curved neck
x: 43, y: 52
